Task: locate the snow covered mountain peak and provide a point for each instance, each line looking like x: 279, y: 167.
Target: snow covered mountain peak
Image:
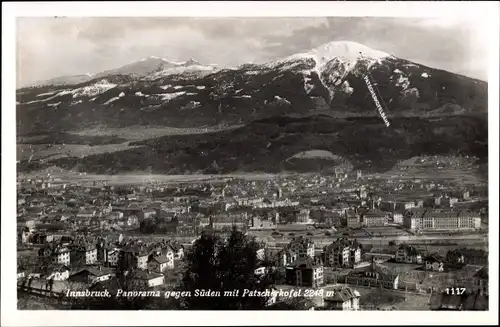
x: 346, y: 50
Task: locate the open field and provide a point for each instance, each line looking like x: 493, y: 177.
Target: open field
x: 142, y: 177
x: 137, y: 133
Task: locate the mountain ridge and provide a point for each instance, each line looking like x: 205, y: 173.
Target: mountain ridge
x: 313, y: 89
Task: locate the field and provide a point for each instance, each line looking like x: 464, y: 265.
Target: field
x: 137, y: 133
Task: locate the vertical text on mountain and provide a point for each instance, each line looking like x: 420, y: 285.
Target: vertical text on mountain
x: 377, y: 103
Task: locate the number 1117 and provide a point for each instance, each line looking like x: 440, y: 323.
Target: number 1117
x: 455, y: 291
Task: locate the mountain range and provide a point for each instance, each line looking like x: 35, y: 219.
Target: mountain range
x: 322, y: 86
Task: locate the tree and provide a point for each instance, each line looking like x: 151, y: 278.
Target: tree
x: 225, y: 265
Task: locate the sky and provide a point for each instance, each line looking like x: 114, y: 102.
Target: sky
x: 56, y: 46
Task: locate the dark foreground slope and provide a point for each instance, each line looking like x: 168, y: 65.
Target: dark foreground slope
x: 265, y: 146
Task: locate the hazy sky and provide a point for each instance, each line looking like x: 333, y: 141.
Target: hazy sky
x: 51, y: 47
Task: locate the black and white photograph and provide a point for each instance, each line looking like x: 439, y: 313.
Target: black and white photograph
x: 263, y: 161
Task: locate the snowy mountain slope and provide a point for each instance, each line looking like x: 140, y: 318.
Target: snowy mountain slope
x: 139, y: 69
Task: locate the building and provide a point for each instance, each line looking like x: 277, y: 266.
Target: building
x: 303, y: 216
x: 373, y: 276
x: 374, y: 218
x: 388, y: 206
x: 26, y: 235
x: 261, y: 270
x: 429, y: 219
x: 148, y: 213
x: 402, y: 206
x: 467, y: 256
x: 83, y: 253
x: 59, y: 273
x: 142, y: 259
x: 285, y: 257
x: 344, y: 299
x: 397, y: 218
x: 353, y: 220
x: 86, y: 214
x: 449, y: 202
x: 342, y: 253
x: 147, y: 279
x: 113, y: 255
x: 359, y: 174
x: 177, y: 250
x: 261, y: 253
x: 305, y: 272
x: 60, y: 254
x: 90, y: 275
x: 160, y: 263
x: 261, y: 224
x: 302, y: 247
x: 408, y: 254
x: 434, y: 263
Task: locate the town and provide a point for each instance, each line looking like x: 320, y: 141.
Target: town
x: 353, y: 242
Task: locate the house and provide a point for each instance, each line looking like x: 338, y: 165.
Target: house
x: 468, y: 256
x: 261, y: 270
x: 344, y: 299
x: 408, y: 254
x: 160, y: 263
x: 142, y: 260
x: 132, y: 220
x: 388, y: 206
x: 90, y: 275
x: 61, y: 255
x: 59, y: 273
x: 353, y: 220
x: 262, y: 224
x: 303, y: 216
x: 178, y: 250
x: 434, y: 263
x: 21, y: 273
x: 374, y: 218
x: 373, y: 276
x: 113, y: 255
x: 286, y: 257
x: 342, y: 253
x: 397, y: 217
x: 86, y: 214
x: 261, y: 253
x: 146, y: 278
x: 26, y: 235
x: 302, y: 247
x: 148, y: 213
x: 305, y: 272
x: 449, y: 202
x: 402, y: 206
x: 83, y: 253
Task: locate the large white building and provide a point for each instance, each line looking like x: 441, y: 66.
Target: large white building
x: 445, y: 220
